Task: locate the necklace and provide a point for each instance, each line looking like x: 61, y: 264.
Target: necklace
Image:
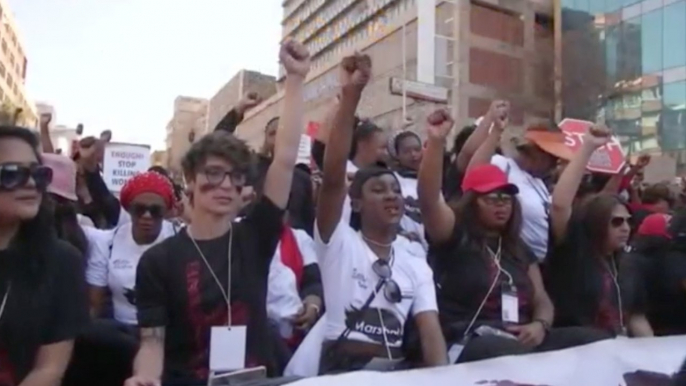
x: 225, y: 294
x: 378, y: 244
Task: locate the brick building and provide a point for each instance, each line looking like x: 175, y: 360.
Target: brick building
x: 460, y: 54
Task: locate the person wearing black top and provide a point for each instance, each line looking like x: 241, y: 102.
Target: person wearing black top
x: 490, y: 292
x: 43, y: 298
x: 214, y: 272
x: 582, y: 268
x: 301, y: 205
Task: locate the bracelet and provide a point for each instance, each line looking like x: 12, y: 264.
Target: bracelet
x: 316, y: 307
x: 544, y: 323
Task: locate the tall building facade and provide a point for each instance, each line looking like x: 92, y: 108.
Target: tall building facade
x: 189, y: 119
x: 13, y: 67
x: 427, y: 53
x: 625, y: 61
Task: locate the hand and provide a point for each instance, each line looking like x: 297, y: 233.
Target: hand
x: 499, y: 109
x: 440, y: 124
x: 82, y: 191
x: 89, y: 153
x: 45, y: 119
x: 530, y: 335
x: 295, y: 58
x: 355, y: 72
x: 142, y: 381
x: 643, y: 161
x: 597, y: 136
x: 306, y: 317
x: 248, y: 101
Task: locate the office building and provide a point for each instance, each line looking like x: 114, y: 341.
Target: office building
x: 625, y: 61
x: 13, y: 65
x: 189, y: 119
x: 427, y: 53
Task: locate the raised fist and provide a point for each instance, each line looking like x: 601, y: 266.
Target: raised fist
x: 643, y: 161
x: 45, y: 119
x: 295, y: 58
x: 248, y: 101
x: 440, y: 124
x: 597, y: 136
x: 356, y: 70
x: 499, y: 109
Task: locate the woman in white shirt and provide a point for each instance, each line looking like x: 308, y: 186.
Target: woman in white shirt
x: 147, y: 197
x: 372, y: 285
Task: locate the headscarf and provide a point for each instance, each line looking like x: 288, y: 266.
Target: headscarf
x: 148, y: 182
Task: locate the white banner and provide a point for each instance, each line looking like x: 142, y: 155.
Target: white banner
x: 123, y: 161
x: 623, y: 362
x: 304, y: 150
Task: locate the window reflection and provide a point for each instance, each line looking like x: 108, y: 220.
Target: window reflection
x: 672, y: 125
x: 651, y: 42
x: 674, y: 38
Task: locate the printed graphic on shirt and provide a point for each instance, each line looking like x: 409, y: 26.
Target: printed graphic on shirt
x: 412, y: 209
x: 372, y: 327
x: 360, y: 278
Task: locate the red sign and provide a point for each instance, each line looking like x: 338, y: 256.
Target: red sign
x: 608, y: 159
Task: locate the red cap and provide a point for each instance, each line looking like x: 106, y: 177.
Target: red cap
x: 655, y: 225
x: 487, y: 178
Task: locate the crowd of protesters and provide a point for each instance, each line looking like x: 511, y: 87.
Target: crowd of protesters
x: 385, y: 254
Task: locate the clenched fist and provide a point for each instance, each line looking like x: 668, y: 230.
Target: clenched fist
x: 248, y: 101
x: 597, y: 136
x: 295, y: 58
x: 356, y: 70
x: 440, y: 124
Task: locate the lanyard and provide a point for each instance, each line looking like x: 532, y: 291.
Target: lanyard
x: 226, y: 294
x: 614, y: 274
x: 496, y: 258
x: 4, y: 300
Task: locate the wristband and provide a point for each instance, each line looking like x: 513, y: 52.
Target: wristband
x: 544, y: 323
x: 316, y: 307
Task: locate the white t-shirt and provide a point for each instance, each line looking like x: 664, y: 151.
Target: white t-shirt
x: 534, y: 199
x: 348, y: 280
x: 113, y: 262
x: 411, y: 221
x: 283, y: 296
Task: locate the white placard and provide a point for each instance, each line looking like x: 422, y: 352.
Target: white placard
x: 123, y: 161
x: 616, y: 362
x: 304, y: 150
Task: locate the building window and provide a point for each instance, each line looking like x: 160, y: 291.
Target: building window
x: 4, y: 46
x: 3, y: 71
x: 674, y: 49
x: 651, y: 42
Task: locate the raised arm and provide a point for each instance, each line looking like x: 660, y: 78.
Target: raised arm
x: 277, y: 186
x: 570, y: 179
x: 489, y: 146
x: 355, y: 73
x: 45, y: 140
x: 498, y: 109
x: 234, y: 117
x: 439, y: 219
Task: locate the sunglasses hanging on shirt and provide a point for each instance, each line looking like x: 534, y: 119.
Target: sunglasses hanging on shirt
x: 391, y: 289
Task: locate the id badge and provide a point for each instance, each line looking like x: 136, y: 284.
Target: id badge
x: 454, y: 353
x: 509, y: 303
x: 227, y: 348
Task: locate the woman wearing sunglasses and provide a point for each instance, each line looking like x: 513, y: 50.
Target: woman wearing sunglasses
x: 583, y: 273
x: 490, y: 292
x: 43, y: 298
x: 372, y: 284
x: 147, y: 197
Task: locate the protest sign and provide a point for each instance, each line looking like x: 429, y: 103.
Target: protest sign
x: 608, y: 159
x: 123, y: 161
x: 304, y: 150
x: 624, y: 362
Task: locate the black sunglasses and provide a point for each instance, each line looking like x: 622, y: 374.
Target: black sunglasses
x: 618, y: 221
x: 216, y: 175
x: 139, y: 210
x: 14, y: 176
x: 391, y: 289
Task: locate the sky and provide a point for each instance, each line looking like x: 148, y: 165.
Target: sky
x: 119, y: 64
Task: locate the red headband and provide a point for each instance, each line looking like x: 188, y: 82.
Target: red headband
x: 148, y: 182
